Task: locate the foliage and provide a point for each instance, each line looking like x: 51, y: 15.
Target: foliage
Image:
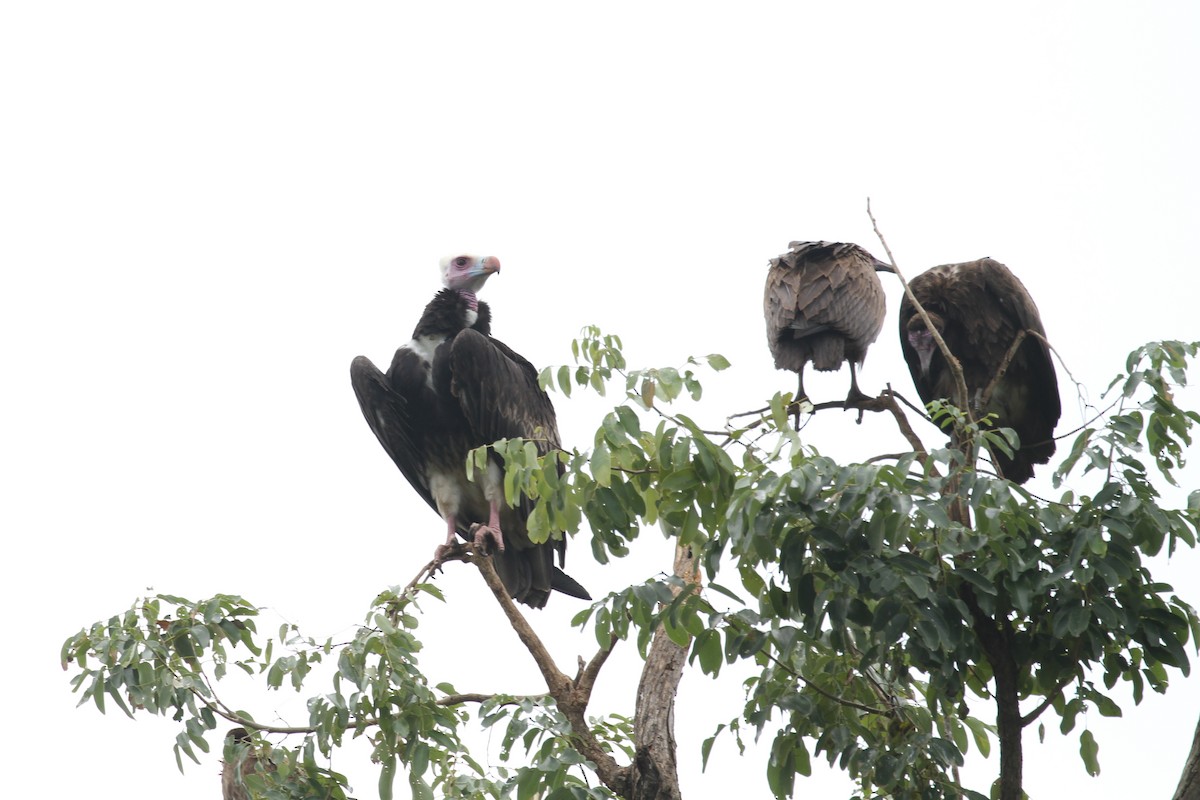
x: 879, y: 603
x: 157, y: 656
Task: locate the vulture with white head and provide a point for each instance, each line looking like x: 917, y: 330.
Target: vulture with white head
x: 823, y: 304
x: 449, y: 390
x: 980, y: 308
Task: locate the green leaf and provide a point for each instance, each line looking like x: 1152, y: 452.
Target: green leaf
x: 387, y: 777
x: 718, y: 362
x: 601, y: 464
x: 1089, y: 751
x: 708, y: 648
x: 420, y: 789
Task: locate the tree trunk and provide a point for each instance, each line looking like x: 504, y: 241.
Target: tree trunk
x: 653, y: 774
x: 1008, y: 727
x: 1189, y: 784
x: 995, y: 636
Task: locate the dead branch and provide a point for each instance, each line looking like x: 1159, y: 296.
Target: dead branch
x: 960, y: 382
x: 983, y: 399
x: 458, y: 551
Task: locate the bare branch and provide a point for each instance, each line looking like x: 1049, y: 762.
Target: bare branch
x: 456, y: 552
x: 473, y: 697
x: 570, y: 701
x: 983, y: 399
x: 586, y: 680
x: 1037, y: 712
x: 556, y: 681
x: 960, y: 383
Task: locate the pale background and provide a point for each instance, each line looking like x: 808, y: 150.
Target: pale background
x: 207, y: 210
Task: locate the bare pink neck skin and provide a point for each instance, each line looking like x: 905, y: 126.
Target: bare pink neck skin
x: 472, y: 300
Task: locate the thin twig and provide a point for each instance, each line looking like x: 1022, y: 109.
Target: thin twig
x: 887, y: 712
x: 960, y: 383
x: 983, y: 399
x: 1037, y: 712
x: 1098, y: 415
x: 459, y: 551
x: 474, y: 697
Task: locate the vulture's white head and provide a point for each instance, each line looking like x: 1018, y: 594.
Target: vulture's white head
x: 465, y: 272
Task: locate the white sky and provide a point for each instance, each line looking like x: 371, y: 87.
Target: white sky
x: 207, y: 210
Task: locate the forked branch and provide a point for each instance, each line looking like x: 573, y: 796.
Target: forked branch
x: 571, y: 696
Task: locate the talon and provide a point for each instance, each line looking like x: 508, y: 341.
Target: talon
x: 482, y: 534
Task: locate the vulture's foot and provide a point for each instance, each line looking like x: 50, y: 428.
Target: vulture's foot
x: 855, y: 399
x: 486, y: 535
x: 799, y: 406
x: 855, y: 396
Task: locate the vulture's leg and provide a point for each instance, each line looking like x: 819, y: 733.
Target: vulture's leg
x: 800, y: 397
x: 441, y: 550
x: 856, y: 395
x: 491, y: 531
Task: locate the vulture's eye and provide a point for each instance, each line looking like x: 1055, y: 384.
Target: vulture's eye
x: 461, y: 261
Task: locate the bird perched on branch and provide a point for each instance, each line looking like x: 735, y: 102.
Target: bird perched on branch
x: 982, y: 312
x: 241, y: 764
x: 450, y: 390
x: 823, y: 304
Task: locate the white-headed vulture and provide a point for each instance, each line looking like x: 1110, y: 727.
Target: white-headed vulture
x: 449, y: 390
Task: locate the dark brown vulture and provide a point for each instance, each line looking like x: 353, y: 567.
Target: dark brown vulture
x: 980, y: 308
x: 240, y: 763
x: 449, y: 390
x: 823, y: 304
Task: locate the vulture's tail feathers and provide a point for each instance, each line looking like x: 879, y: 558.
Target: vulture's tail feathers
x: 562, y: 582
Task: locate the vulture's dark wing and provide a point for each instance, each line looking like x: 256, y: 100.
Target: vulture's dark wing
x: 498, y: 392
x: 389, y: 415
x: 1034, y: 354
x: 819, y: 288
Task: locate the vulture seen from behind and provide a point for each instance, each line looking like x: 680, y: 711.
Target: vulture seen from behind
x: 824, y: 304
x: 449, y: 390
x: 980, y: 308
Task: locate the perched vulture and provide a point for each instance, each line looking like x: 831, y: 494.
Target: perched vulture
x: 241, y: 764
x: 823, y: 304
x: 980, y: 308
x: 454, y: 388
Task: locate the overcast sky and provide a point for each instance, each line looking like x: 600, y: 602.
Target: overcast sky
x: 207, y: 210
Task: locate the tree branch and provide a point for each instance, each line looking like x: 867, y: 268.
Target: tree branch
x: 960, y: 382
x: 1037, y: 712
x: 586, y: 679
x: 571, y: 701
x: 556, y: 681
x: 983, y: 399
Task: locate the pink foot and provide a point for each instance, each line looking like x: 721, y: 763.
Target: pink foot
x: 483, y: 533
x: 450, y: 545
